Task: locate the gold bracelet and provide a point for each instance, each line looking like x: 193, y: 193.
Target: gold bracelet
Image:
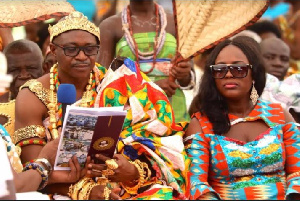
x: 106, y: 193
x: 144, y: 176
x: 85, y: 188
x: 89, y: 190
x: 28, y: 132
x: 74, y: 191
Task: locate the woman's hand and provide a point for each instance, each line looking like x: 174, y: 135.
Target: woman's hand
x: 125, y: 172
x: 97, y: 193
x: 65, y: 176
x: 182, y: 72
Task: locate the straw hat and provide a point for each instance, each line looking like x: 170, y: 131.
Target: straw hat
x: 201, y: 24
x: 15, y: 13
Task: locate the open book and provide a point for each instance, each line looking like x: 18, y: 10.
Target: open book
x: 88, y: 131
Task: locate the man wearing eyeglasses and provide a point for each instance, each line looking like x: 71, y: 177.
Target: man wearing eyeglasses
x: 74, y: 41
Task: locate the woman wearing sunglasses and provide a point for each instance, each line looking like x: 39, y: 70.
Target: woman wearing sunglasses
x: 241, y: 147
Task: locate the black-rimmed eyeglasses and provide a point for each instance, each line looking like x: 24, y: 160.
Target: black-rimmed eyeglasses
x: 74, y: 51
x: 237, y: 70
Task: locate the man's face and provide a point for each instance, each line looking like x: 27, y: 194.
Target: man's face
x: 80, y: 65
x: 23, y: 67
x: 276, y: 55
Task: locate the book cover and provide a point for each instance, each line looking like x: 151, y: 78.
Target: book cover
x: 88, y: 131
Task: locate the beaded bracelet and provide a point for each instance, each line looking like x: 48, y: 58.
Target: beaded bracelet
x: 41, y: 170
x: 30, y: 142
x: 45, y: 163
x: 31, y: 161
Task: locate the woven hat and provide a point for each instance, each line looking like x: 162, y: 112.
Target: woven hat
x: 201, y: 24
x: 15, y: 13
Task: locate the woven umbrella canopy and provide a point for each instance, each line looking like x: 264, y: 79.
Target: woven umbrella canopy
x: 16, y: 13
x: 201, y: 24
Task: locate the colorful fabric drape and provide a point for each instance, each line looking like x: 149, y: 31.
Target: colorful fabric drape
x: 145, y: 42
x: 267, y: 168
x: 149, y: 129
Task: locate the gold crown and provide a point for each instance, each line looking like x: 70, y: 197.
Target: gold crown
x: 74, y: 21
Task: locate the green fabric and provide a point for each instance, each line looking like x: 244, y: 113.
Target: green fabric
x: 145, y: 43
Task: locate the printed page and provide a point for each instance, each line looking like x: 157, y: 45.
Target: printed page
x: 78, y: 130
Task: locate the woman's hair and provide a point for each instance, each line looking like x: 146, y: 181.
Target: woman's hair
x: 209, y: 101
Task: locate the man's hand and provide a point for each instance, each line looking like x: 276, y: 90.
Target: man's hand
x: 125, y: 172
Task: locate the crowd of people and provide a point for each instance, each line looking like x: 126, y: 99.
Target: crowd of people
x: 226, y: 128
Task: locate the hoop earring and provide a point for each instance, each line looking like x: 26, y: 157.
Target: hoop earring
x: 253, y: 96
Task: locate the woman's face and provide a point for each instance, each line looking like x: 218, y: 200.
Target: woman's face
x: 232, y: 87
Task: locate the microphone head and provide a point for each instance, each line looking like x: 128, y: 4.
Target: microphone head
x: 66, y: 93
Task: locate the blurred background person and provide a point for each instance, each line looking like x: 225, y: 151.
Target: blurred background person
x: 265, y: 29
x: 276, y: 55
x: 24, y: 61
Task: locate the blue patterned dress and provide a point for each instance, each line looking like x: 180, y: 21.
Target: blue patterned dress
x: 266, y: 168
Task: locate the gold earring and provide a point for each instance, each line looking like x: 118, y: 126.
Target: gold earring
x: 253, y: 96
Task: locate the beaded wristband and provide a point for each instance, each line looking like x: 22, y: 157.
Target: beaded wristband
x: 30, y: 142
x: 41, y: 170
x: 45, y: 163
x: 31, y: 161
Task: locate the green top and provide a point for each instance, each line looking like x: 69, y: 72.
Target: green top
x: 145, y: 42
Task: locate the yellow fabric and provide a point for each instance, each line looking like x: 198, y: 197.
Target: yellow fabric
x: 8, y: 110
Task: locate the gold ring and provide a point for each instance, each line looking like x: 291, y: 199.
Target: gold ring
x: 95, y: 170
x: 111, y: 164
x: 106, y: 193
x: 108, y: 172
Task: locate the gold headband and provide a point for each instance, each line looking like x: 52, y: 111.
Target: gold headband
x: 74, y: 21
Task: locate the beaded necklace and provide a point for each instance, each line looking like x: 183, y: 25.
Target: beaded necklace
x: 159, y: 38
x: 87, y: 100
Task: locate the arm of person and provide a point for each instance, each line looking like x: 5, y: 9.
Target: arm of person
x: 6, y: 36
x: 288, y: 116
x: 295, y: 45
x: 108, y: 41
x: 22, y: 179
x: 184, y: 73
x: 29, y: 111
x: 291, y: 140
x: 199, y: 155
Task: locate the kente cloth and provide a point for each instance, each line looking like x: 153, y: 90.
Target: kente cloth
x: 149, y: 130
x: 145, y: 43
x: 267, y: 168
x: 12, y: 150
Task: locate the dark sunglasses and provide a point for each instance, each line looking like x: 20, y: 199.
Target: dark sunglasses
x: 74, y: 51
x: 237, y: 70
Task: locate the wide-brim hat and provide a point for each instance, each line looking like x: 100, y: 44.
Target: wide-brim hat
x: 201, y: 24
x: 14, y: 13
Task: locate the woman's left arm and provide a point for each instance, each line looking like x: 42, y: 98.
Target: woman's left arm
x: 291, y: 137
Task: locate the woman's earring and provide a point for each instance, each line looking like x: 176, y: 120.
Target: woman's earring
x: 253, y: 96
